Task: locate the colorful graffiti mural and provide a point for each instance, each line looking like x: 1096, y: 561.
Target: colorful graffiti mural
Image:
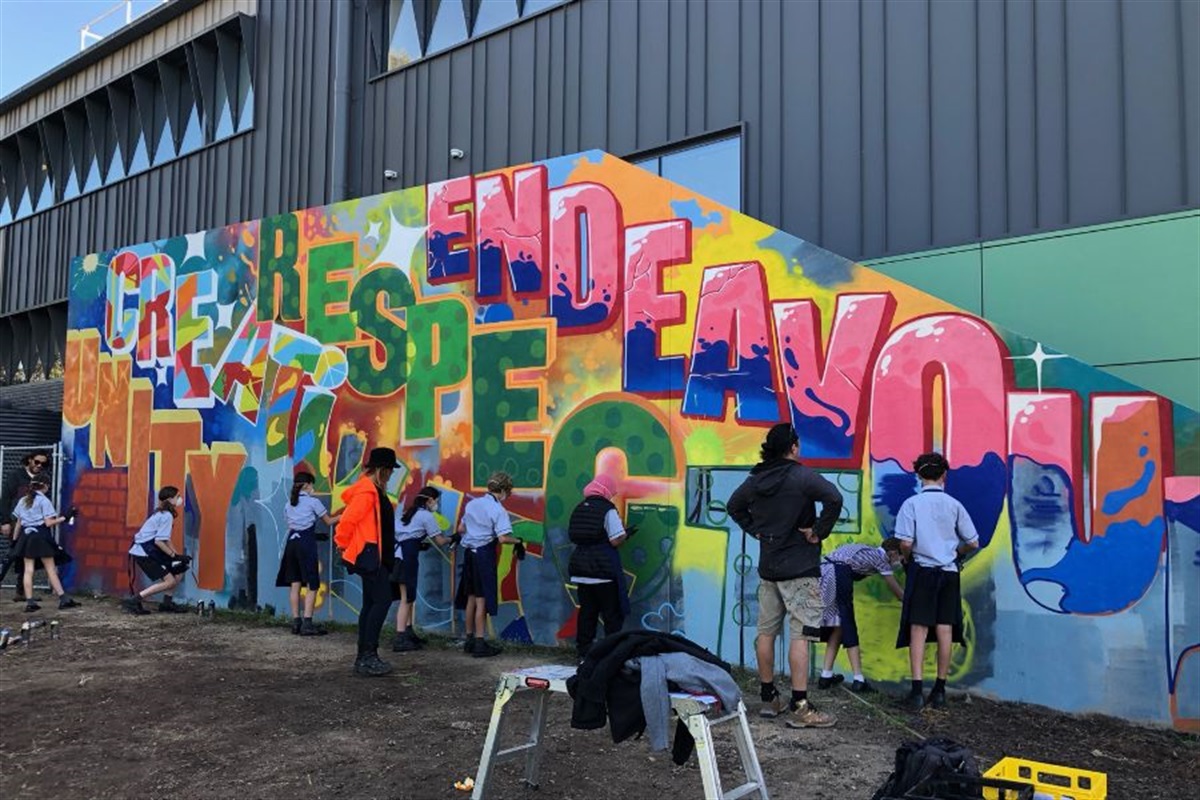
x: 580, y: 315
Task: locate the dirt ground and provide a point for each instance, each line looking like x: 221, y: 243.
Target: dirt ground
x: 175, y: 706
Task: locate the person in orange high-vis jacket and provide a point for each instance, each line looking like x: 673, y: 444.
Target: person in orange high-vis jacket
x: 366, y: 536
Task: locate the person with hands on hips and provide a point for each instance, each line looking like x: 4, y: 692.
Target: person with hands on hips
x: 416, y: 526
x: 298, y: 566
x: 485, y: 525
x: 776, y: 504
x: 157, y: 558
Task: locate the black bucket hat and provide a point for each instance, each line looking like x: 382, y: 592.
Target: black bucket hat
x: 383, y: 458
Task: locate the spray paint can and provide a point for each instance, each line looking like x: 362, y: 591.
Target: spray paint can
x: 53, y: 629
x: 212, y: 609
x: 26, y: 633
x: 5, y: 634
x: 200, y: 609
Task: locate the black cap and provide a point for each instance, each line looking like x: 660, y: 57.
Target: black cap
x: 383, y: 458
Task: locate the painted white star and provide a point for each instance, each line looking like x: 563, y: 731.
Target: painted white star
x: 401, y: 242
x: 195, y: 248
x: 1039, y: 357
x: 160, y: 375
x: 373, y: 230
x: 225, y: 315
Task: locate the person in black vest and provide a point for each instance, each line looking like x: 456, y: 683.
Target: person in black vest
x: 596, y: 531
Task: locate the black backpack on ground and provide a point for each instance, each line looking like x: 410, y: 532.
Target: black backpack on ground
x: 919, y: 763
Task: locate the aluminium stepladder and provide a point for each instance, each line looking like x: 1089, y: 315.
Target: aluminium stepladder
x: 694, y: 710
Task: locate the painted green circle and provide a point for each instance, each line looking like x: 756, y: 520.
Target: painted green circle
x: 416, y: 418
x: 537, y: 348
x: 613, y: 417
x: 481, y: 386
x: 503, y: 408
x: 554, y: 507
x: 505, y: 363
x: 558, y: 467
x: 491, y: 446
x: 578, y: 436
x: 655, y: 463
x: 634, y: 445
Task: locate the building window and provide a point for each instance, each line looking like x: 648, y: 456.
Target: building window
x: 181, y: 101
x: 712, y: 168
x: 418, y: 28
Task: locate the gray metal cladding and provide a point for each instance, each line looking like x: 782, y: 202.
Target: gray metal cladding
x: 870, y: 127
x: 280, y: 164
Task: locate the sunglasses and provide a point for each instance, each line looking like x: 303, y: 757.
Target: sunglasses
x: 40, y: 463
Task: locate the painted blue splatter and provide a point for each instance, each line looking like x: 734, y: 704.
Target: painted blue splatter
x: 568, y: 316
x: 645, y: 371
x: 495, y: 312
x: 1187, y: 512
x: 821, y: 437
x: 819, y: 266
x: 441, y: 262
x: 1116, y: 500
x: 690, y: 210
x: 525, y: 272
x: 751, y: 381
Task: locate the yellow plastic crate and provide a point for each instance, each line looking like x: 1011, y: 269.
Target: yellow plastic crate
x: 1050, y: 781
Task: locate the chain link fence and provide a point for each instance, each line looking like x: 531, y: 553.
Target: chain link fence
x: 11, y: 458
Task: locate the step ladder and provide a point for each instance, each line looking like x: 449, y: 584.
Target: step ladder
x: 696, y: 711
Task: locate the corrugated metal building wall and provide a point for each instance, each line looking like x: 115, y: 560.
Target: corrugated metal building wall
x: 871, y: 127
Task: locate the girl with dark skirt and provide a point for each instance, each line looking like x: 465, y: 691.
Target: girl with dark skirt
x: 366, y: 536
x: 156, y: 557
x: 37, y: 517
x: 485, y: 526
x: 298, y: 567
x: 413, y: 530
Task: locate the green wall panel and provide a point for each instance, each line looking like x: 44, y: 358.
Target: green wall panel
x: 952, y: 275
x: 1106, y: 295
x: 1177, y: 380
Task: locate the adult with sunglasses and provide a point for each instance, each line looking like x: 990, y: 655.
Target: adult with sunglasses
x: 16, y: 485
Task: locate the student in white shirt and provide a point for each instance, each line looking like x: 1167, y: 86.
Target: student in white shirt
x: 156, y: 556
x: 484, y: 525
x: 414, y: 528
x: 36, y: 516
x: 934, y: 530
x: 595, y: 567
x: 299, y: 565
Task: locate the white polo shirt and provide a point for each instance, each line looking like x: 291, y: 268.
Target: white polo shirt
x: 484, y: 519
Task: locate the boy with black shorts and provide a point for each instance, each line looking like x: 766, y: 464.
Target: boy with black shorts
x: 934, y: 531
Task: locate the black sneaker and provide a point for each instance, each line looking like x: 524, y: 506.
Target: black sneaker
x: 937, y: 698
x: 914, y: 701
x: 830, y: 682
x: 419, y: 641
x: 169, y: 606
x: 66, y: 601
x: 469, y: 645
x: 482, y: 648
x: 862, y: 687
x: 19, y: 597
x: 296, y: 622
x: 31, y: 606
x: 134, y: 606
x: 404, y: 644
x: 309, y: 628
x: 372, y: 666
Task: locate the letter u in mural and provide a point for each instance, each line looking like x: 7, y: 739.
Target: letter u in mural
x: 578, y: 316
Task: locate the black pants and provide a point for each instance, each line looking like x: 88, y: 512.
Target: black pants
x: 13, y: 559
x: 597, y: 600
x: 376, y: 602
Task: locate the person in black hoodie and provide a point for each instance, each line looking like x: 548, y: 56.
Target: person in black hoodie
x: 776, y: 505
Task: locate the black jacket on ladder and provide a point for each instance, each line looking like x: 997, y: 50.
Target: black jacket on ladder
x: 604, y: 690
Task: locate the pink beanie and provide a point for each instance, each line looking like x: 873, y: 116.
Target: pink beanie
x: 602, y: 486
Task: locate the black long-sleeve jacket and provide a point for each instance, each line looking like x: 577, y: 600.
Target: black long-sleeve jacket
x: 775, y: 501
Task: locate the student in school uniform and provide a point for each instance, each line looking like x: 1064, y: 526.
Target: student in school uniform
x: 16, y: 485
x: 298, y: 566
x: 596, y: 530
x: 485, y: 525
x: 840, y: 570
x: 36, y: 517
x: 415, y: 527
x: 935, y: 531
x: 157, y: 557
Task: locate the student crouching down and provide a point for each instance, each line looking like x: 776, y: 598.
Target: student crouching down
x: 485, y: 525
x: 415, y: 527
x: 841, y: 569
x: 37, y: 518
x: 298, y: 566
x: 935, y: 530
x: 595, y: 567
x: 156, y: 556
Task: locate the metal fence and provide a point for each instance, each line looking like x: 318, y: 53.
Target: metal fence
x: 11, y: 457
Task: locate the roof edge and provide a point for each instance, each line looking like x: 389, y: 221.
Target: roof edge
x: 136, y: 29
